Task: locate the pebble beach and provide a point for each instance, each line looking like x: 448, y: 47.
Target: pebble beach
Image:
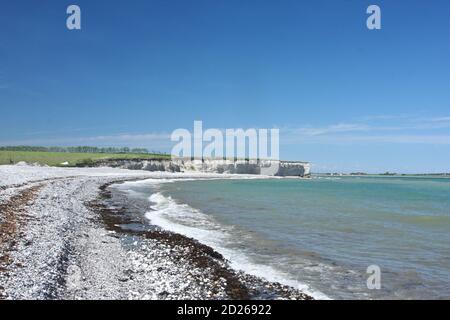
x: 60, y: 238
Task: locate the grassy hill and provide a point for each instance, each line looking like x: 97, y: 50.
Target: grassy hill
x: 73, y: 159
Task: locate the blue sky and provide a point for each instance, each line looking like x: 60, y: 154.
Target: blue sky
x: 345, y: 98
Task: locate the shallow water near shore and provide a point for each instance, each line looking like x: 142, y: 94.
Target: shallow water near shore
x: 318, y: 235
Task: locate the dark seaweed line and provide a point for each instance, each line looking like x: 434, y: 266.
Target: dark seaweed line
x: 200, y: 255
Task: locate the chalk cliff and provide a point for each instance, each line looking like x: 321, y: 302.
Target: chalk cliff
x: 263, y: 167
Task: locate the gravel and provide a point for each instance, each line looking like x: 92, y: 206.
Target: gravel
x: 65, y: 249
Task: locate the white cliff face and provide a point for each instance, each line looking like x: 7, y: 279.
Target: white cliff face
x: 294, y: 169
x: 258, y: 167
x: 265, y: 167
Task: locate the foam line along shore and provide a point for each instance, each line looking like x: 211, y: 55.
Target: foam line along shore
x: 72, y: 243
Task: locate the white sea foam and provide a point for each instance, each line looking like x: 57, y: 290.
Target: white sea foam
x: 183, y: 219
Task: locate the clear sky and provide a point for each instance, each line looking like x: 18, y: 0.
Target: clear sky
x: 345, y: 98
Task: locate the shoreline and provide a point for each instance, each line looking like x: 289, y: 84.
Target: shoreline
x: 156, y: 203
x: 73, y: 246
x: 239, y: 285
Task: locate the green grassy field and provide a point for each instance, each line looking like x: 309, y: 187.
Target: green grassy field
x: 74, y: 159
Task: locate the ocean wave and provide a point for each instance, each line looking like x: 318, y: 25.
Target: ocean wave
x: 183, y: 219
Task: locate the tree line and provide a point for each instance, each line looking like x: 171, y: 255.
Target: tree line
x: 80, y: 149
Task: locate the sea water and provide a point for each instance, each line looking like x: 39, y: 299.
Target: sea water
x: 319, y: 235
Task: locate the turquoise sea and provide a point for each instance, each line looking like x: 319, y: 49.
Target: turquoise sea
x: 320, y: 234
